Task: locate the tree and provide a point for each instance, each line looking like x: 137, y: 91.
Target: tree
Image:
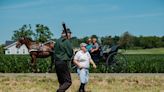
x: 162, y: 41
x: 116, y: 39
x: 94, y: 36
x: 2, y: 49
x: 126, y: 40
x: 107, y: 40
x: 24, y: 31
x: 43, y: 33
x: 75, y: 41
x: 150, y: 42
x: 84, y: 39
x: 162, y: 38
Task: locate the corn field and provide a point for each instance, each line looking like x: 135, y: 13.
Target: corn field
x: 136, y: 63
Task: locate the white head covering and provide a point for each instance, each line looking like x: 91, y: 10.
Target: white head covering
x: 83, y: 44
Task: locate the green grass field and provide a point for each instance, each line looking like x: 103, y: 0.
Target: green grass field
x: 44, y: 82
x: 145, y: 51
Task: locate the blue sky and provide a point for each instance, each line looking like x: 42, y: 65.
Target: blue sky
x: 84, y: 17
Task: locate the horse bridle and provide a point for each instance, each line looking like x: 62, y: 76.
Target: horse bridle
x: 19, y: 43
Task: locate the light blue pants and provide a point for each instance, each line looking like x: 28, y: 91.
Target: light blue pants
x: 83, y: 74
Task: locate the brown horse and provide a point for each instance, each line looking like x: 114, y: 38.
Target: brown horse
x: 37, y: 50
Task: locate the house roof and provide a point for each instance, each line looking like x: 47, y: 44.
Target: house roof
x: 9, y: 44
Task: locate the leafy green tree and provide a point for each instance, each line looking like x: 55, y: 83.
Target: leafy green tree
x: 162, y: 38
x: 2, y: 49
x: 43, y: 33
x: 136, y: 41
x: 162, y: 41
x: 150, y: 42
x: 75, y: 41
x: 24, y: 31
x: 116, y: 39
x: 84, y: 39
x: 94, y: 36
x: 126, y: 40
x: 107, y: 40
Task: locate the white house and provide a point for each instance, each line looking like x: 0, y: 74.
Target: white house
x: 10, y: 48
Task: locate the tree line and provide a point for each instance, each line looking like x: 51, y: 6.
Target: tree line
x: 42, y: 33
x: 126, y: 41
x: 130, y: 41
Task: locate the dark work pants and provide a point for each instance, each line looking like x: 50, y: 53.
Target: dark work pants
x: 95, y: 58
x: 63, y: 75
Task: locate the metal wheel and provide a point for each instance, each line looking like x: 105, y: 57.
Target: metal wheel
x: 116, y: 62
x: 72, y: 66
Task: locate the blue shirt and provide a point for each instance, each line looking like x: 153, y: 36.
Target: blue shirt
x: 89, y: 47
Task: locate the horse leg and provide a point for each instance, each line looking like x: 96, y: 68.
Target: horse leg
x: 52, y: 63
x: 33, y: 63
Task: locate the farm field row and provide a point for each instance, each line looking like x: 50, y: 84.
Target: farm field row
x: 107, y: 82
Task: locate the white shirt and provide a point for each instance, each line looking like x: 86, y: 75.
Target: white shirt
x: 83, y: 58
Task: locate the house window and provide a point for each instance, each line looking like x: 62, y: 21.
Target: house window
x: 17, y: 51
x: 23, y: 51
x: 8, y: 51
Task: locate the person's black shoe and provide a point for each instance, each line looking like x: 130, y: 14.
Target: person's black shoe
x: 81, y: 90
x: 82, y: 87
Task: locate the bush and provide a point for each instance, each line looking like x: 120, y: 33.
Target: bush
x: 137, y: 63
x: 21, y: 64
